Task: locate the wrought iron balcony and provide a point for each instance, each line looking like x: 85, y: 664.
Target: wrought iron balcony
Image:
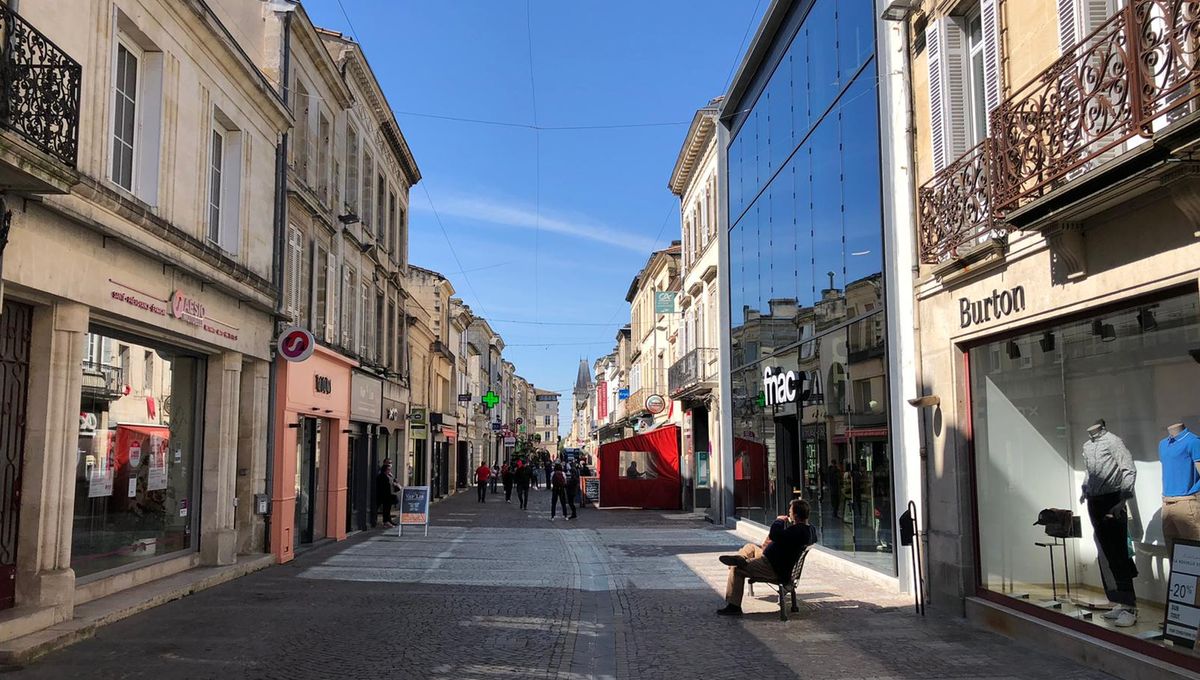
x: 697, y: 368
x: 956, y: 205
x: 1130, y: 78
x: 39, y: 89
x: 103, y: 380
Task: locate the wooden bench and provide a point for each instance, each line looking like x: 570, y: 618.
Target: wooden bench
x: 785, y: 587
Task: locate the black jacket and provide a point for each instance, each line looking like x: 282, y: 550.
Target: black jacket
x: 787, y: 542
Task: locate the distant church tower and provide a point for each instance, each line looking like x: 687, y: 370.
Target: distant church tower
x: 583, y: 383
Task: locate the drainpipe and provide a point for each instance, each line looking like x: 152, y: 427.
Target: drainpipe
x: 280, y: 219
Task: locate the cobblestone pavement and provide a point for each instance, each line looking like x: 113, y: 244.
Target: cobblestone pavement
x: 495, y: 591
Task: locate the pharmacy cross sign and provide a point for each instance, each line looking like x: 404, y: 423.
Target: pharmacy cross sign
x: 490, y: 400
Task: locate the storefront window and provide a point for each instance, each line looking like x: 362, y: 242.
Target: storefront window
x: 1053, y: 414
x: 136, y: 475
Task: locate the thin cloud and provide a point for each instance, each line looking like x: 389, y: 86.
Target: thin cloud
x: 522, y: 217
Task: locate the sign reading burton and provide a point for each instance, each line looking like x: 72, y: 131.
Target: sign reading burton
x: 1000, y: 304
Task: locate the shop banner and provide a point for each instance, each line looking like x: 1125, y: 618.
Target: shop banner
x: 414, y: 507
x: 1182, y: 620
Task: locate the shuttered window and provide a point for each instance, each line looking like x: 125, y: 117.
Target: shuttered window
x: 291, y: 284
x: 331, y: 275
x: 1078, y: 18
x: 964, y: 80
x: 350, y: 308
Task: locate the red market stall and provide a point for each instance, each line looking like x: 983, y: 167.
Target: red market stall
x: 642, y: 471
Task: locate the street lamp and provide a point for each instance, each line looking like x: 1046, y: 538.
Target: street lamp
x: 898, y: 10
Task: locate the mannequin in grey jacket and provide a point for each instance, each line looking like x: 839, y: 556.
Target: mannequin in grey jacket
x: 1106, y: 488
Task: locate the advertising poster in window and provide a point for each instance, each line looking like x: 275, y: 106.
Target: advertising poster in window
x: 1183, y: 601
x: 100, y: 476
x: 156, y: 480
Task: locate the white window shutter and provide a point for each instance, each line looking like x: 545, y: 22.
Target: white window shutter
x: 291, y: 298
x: 937, y: 117
x: 331, y: 279
x: 1068, y: 24
x: 990, y: 18
x: 349, y: 300
x: 946, y: 51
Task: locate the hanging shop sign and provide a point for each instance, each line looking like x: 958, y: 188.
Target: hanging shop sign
x: 1182, y: 616
x: 366, y: 398
x: 464, y: 398
x: 416, y: 415
x: 1000, y: 304
x: 623, y: 393
x: 656, y: 404
x: 296, y: 344
x: 414, y: 507
x: 664, y: 301
x: 547, y: 397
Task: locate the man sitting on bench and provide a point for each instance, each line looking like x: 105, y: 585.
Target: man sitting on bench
x: 790, y: 535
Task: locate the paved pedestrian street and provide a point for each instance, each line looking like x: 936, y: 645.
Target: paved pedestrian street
x: 495, y: 591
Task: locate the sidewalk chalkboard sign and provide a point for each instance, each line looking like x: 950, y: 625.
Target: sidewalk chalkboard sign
x: 591, y: 489
x: 1183, y: 598
x: 414, y: 507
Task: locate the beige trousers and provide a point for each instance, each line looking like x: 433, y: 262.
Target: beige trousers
x: 757, y: 566
x: 1180, y: 519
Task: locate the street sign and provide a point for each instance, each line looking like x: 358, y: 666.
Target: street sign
x: 520, y: 421
x: 464, y: 397
x: 414, y: 507
x: 510, y: 441
x: 496, y: 427
x: 490, y: 400
x: 623, y: 393
x: 547, y: 397
x: 521, y: 428
x: 296, y: 344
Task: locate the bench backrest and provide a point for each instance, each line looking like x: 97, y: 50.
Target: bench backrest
x: 799, y: 567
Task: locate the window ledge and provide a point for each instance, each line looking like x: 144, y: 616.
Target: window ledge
x: 979, y: 260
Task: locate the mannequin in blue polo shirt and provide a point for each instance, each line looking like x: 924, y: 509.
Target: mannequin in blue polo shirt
x: 1180, y: 456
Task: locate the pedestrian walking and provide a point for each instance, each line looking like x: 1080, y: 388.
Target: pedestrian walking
x: 506, y: 479
x: 573, y: 488
x: 558, y: 492
x: 482, y: 474
x: 495, y: 474
x: 522, y: 477
x: 549, y: 473
x: 385, y: 493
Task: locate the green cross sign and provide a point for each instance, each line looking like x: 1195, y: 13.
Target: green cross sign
x: 490, y: 400
x: 761, y: 400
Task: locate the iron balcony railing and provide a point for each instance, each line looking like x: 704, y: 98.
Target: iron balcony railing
x: 39, y: 89
x: 696, y: 367
x: 1134, y: 74
x: 103, y: 379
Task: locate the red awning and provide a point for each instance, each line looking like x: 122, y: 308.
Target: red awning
x: 156, y: 430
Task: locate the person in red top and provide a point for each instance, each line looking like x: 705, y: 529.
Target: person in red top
x: 482, y: 473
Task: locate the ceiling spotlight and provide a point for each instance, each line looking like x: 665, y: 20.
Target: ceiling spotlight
x: 1097, y: 327
x: 1047, y: 342
x: 1014, y: 350
x: 1108, y: 333
x: 1146, y: 320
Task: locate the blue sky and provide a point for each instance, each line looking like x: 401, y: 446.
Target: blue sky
x: 549, y: 225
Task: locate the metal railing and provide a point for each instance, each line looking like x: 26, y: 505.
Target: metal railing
x: 104, y: 379
x: 39, y: 88
x: 1137, y: 72
x: 696, y: 367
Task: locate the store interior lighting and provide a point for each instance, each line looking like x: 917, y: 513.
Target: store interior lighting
x: 1146, y: 320
x: 1014, y: 350
x: 1047, y: 342
x: 1108, y: 333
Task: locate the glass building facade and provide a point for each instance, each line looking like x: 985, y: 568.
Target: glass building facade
x: 806, y: 284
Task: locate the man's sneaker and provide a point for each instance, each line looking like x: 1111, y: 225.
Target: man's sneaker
x: 1113, y: 613
x: 733, y: 561
x: 1126, y: 618
x: 572, y: 517
x: 730, y: 610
